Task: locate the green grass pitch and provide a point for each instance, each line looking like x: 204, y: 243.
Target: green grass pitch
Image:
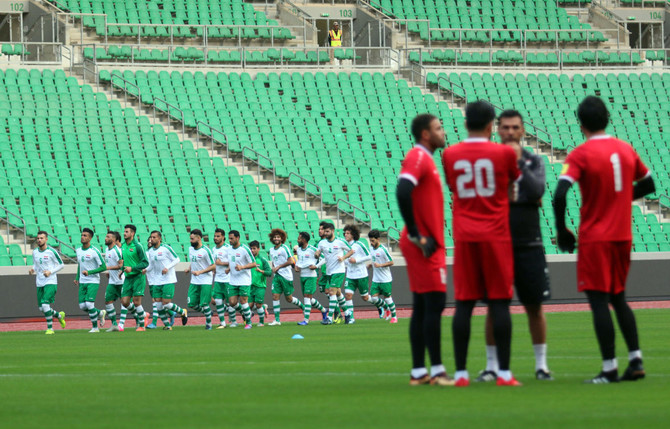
x: 338, y: 376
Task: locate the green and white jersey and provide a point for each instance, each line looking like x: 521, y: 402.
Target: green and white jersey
x: 46, y: 260
x: 280, y: 255
x: 221, y: 254
x: 201, y: 259
x: 90, y: 260
x: 160, y: 258
x: 240, y: 256
x: 331, y: 250
x: 306, y: 259
x: 112, y: 258
x: 358, y: 270
x: 381, y: 256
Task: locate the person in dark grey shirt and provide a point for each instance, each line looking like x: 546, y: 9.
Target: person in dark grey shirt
x: 531, y: 278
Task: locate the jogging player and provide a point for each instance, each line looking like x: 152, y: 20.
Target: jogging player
x: 162, y: 278
x: 307, y: 265
x: 90, y: 264
x: 221, y: 278
x: 46, y: 263
x: 134, y: 262
x: 381, y: 276
x: 241, y: 261
x: 282, y: 262
x: 259, y: 283
x: 202, y: 265
x: 333, y: 250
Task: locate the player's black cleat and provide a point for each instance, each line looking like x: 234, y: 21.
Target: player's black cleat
x: 347, y: 318
x: 184, y: 317
x: 604, y: 377
x: 541, y: 374
x: 635, y: 371
x: 486, y: 376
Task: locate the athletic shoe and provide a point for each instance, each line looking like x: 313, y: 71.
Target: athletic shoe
x: 328, y: 321
x: 247, y: 326
x: 387, y: 314
x: 113, y: 328
x: 120, y: 328
x: 338, y: 320
x: 184, y: 318
x: 303, y: 323
x: 486, y: 376
x: 233, y: 325
x: 351, y: 321
x: 103, y: 313
x: 49, y: 332
x: 151, y: 326
x: 419, y: 381
x: 61, y: 319
x: 604, y: 377
x: 635, y: 371
x: 167, y: 328
x: 381, y: 312
x: 347, y: 318
x: 208, y: 327
x: 324, y: 316
x: 442, y: 379
x: 394, y: 320
x: 511, y: 382
x: 93, y: 330
x: 146, y: 319
x: 172, y: 319
x: 541, y: 374
x: 259, y: 325
x: 462, y: 382
x: 222, y: 326
x: 275, y: 323
x: 140, y: 329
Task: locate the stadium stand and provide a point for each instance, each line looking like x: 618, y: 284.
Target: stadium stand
x: 69, y: 156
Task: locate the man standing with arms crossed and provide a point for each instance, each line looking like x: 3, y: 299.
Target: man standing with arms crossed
x: 479, y: 174
x: 606, y: 169
x: 202, y: 265
x: 134, y: 261
x: 90, y: 264
x: 531, y: 279
x: 46, y: 263
x: 162, y: 277
x: 421, y: 202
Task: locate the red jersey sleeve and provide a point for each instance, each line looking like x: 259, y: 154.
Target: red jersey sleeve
x: 572, y: 167
x: 413, y: 167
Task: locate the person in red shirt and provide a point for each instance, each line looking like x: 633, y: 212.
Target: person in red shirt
x: 606, y: 169
x: 479, y: 174
x: 421, y: 204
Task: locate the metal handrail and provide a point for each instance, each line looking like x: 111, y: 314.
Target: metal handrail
x: 61, y: 243
x: 388, y: 236
x: 95, y: 71
x: 68, y: 57
x: 259, y: 155
x: 452, y: 85
x: 211, y: 136
x: 660, y: 209
x: 353, y: 213
x: 15, y: 226
x: 304, y: 188
x: 167, y: 111
x: 126, y: 82
x: 378, y: 8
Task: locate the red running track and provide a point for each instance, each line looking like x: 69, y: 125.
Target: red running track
x: 294, y: 316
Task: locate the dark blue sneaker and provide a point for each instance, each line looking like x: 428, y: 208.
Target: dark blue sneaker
x: 151, y: 326
x: 303, y: 323
x: 381, y: 312
x: 208, y: 327
x: 324, y: 316
x: 327, y: 321
x: 347, y: 318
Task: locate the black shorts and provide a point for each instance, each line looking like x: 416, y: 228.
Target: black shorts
x: 531, y: 275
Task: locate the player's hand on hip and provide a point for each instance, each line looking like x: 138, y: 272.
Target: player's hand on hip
x: 427, y: 244
x: 566, y: 241
x: 85, y: 273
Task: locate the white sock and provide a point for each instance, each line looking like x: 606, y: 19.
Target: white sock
x: 505, y: 375
x: 419, y: 372
x: 610, y: 365
x: 635, y: 354
x: 350, y: 305
x: 540, y: 357
x: 492, y: 358
x: 154, y: 307
x: 437, y: 369
x: 461, y: 374
x: 373, y: 300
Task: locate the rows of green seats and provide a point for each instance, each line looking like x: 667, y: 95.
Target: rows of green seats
x: 502, y: 16
x: 17, y: 49
x: 658, y: 55
x: 507, y: 57
x: 217, y: 13
x: 70, y: 158
x: 13, y: 255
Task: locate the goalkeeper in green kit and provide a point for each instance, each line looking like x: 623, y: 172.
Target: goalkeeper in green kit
x: 134, y: 261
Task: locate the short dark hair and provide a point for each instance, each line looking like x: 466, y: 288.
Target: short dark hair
x: 130, y: 227
x: 593, y: 114
x: 196, y: 232
x: 374, y: 233
x: 89, y: 231
x: 40, y: 232
x: 305, y: 236
x: 220, y: 231
x: 510, y: 113
x: 116, y: 235
x: 421, y: 123
x: 255, y: 243
x: 327, y: 225
x: 157, y: 232
x: 234, y: 233
x: 353, y: 229
x: 478, y: 115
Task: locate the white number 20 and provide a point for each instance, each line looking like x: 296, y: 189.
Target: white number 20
x: 616, y: 167
x: 481, y: 173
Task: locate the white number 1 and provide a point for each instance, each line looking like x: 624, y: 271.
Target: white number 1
x: 616, y: 166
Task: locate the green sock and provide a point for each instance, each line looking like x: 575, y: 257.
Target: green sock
x: 93, y: 315
x: 332, y: 303
x: 342, y: 303
x: 163, y: 314
x: 391, y: 306
x: 111, y: 313
x: 49, y: 315
x: 246, y: 312
x: 208, y: 314
x: 261, y: 314
x: 154, y: 313
x: 316, y: 304
x: 296, y: 301
x: 231, y: 314
x: 276, y: 308
x: 307, y: 308
x: 221, y: 311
